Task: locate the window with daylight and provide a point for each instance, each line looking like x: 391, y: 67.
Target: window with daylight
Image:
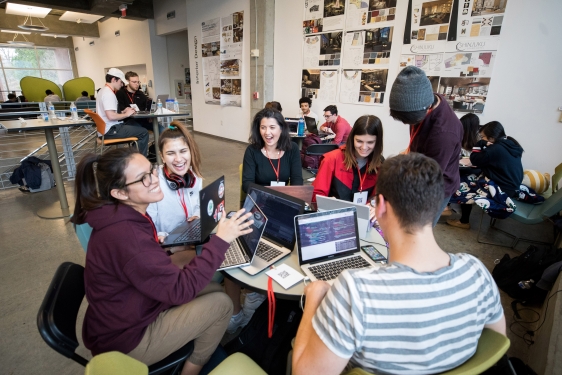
x: 50, y: 63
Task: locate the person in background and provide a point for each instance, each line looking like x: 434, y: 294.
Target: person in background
x: 274, y: 105
x: 84, y: 97
x: 106, y: 107
x: 51, y: 97
x: 305, y: 105
x: 335, y: 124
x: 499, y: 158
x: 22, y: 98
x: 350, y: 172
x: 435, y: 130
x: 131, y: 94
x: 12, y: 98
x: 422, y: 313
x: 139, y: 303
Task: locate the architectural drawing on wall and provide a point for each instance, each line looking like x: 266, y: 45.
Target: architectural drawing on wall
x: 231, y: 92
x: 367, y: 47
x: 322, y: 50
x: 430, y: 20
x: 329, y: 84
x: 310, y: 83
x: 350, y: 83
x: 210, y: 56
x: 232, y: 36
x: 373, y: 86
x: 326, y: 15
x: 480, y: 18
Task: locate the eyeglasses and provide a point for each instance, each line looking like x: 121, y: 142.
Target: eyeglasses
x: 327, y: 116
x: 146, y: 178
x: 134, y: 82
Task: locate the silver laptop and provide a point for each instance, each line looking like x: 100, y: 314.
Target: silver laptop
x: 278, y: 238
x: 243, y: 249
x: 363, y: 212
x: 327, y: 244
x: 163, y: 99
x: 293, y: 125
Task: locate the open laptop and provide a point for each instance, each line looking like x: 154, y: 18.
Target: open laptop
x: 327, y: 244
x: 163, y: 99
x: 363, y: 212
x: 293, y: 126
x: 146, y: 109
x: 311, y: 124
x: 211, y: 200
x: 278, y: 238
x: 242, y: 250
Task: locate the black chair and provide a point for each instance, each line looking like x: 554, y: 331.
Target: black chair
x: 319, y: 150
x: 57, y: 315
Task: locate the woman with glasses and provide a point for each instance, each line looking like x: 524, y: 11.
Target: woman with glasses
x: 139, y: 303
x: 180, y: 181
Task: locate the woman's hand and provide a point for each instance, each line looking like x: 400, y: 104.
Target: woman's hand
x: 230, y: 229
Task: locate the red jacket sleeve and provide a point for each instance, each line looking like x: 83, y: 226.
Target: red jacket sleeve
x: 325, y: 174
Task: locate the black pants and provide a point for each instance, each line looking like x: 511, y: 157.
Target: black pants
x: 130, y: 129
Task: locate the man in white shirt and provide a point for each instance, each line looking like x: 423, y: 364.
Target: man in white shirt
x: 106, y: 107
x: 305, y: 104
x: 51, y: 97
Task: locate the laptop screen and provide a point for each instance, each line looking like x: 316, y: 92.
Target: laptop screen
x: 311, y: 124
x: 326, y: 234
x: 293, y: 125
x: 280, y: 212
x: 251, y: 240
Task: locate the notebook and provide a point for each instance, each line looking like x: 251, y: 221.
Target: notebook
x: 242, y: 250
x: 363, y: 212
x: 278, y: 238
x: 211, y: 200
x: 327, y: 244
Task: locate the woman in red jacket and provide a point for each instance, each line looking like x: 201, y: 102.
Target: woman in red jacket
x: 350, y: 172
x: 139, y: 302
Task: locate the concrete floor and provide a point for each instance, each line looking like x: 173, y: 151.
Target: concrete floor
x: 32, y: 248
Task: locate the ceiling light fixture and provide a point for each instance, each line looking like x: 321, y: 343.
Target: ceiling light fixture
x: 16, y: 32
x: 31, y: 26
x: 27, y: 10
x: 24, y: 42
x: 55, y: 35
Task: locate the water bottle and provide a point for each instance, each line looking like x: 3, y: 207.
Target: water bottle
x: 159, y: 107
x: 73, y: 111
x: 45, y: 116
x: 300, y: 129
x: 51, y: 110
x: 170, y: 104
x: 176, y: 105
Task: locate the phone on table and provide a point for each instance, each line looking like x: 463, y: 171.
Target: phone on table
x: 374, y: 254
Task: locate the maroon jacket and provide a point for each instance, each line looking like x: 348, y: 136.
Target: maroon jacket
x: 440, y: 138
x: 130, y: 280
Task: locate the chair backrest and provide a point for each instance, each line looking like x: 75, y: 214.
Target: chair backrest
x: 100, y: 124
x: 57, y: 315
x: 549, y: 207
x: 321, y: 149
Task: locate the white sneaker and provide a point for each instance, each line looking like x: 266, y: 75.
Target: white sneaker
x: 252, y: 301
x: 237, y: 321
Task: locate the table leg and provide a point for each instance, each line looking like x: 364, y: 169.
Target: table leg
x: 61, y: 210
x: 156, y: 133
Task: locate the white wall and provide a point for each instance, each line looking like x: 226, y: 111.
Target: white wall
x: 163, y: 24
x: 524, y: 93
x: 227, y: 122
x: 178, y: 57
x: 136, y: 45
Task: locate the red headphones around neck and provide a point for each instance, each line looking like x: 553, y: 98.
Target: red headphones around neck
x: 176, y: 182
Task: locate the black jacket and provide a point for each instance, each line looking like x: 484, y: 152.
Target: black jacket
x: 500, y: 162
x: 31, y: 171
x: 124, y: 99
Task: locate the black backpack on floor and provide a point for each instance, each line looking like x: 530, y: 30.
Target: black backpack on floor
x: 509, y: 272
x: 269, y: 353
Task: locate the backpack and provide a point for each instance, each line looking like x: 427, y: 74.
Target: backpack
x: 310, y: 161
x: 510, y: 272
x: 269, y: 353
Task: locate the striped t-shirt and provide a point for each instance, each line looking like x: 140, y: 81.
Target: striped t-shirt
x: 392, y: 319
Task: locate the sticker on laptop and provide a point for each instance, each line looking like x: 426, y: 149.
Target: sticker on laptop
x: 210, y: 208
x: 221, y: 189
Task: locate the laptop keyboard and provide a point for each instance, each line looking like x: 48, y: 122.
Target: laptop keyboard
x: 234, y: 256
x: 329, y: 271
x: 267, y: 252
x: 193, y: 232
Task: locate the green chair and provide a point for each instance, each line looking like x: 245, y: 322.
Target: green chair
x: 115, y: 363
x: 238, y: 364
x: 73, y: 88
x: 34, y: 88
x: 528, y: 214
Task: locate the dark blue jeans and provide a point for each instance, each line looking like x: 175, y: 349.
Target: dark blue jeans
x: 131, y: 129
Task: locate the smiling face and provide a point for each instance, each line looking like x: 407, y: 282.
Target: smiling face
x: 137, y: 195
x: 364, y: 145
x: 305, y: 108
x: 176, y: 156
x: 270, y: 131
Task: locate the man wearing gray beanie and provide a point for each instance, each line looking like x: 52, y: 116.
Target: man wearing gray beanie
x: 435, y: 130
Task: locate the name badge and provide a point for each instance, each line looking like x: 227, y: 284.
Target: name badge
x: 277, y: 183
x: 360, y: 197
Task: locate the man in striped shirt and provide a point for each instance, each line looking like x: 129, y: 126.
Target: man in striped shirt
x: 423, y: 313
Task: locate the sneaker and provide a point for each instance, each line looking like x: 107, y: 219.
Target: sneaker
x: 237, y: 321
x: 252, y: 301
x: 458, y: 224
x: 447, y: 212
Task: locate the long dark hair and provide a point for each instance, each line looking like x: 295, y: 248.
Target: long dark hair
x: 365, y: 125
x: 96, y: 176
x: 284, y: 143
x: 494, y: 129
x: 177, y: 130
x: 471, y: 125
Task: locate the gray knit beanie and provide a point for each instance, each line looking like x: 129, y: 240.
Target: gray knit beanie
x: 411, y: 91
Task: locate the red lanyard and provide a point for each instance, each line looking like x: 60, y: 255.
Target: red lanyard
x: 361, y: 180
x: 278, y: 170
x: 110, y: 88
x: 153, y: 228
x: 131, y: 97
x: 415, y: 131
x: 182, y: 203
x: 271, y: 307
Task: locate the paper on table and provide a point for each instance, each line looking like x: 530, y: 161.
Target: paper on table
x: 165, y: 111
x: 286, y: 276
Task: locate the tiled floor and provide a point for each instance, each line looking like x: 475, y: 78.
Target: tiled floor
x: 32, y: 248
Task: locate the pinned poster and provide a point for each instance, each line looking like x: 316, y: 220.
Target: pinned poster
x: 349, y: 86
x: 329, y: 84
x: 480, y: 18
x: 232, y: 36
x: 310, y: 83
x: 367, y: 47
x: 322, y: 50
x: 365, y: 86
x: 430, y: 20
x: 210, y: 53
x: 362, y: 13
x: 231, y: 92
x: 323, y: 15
